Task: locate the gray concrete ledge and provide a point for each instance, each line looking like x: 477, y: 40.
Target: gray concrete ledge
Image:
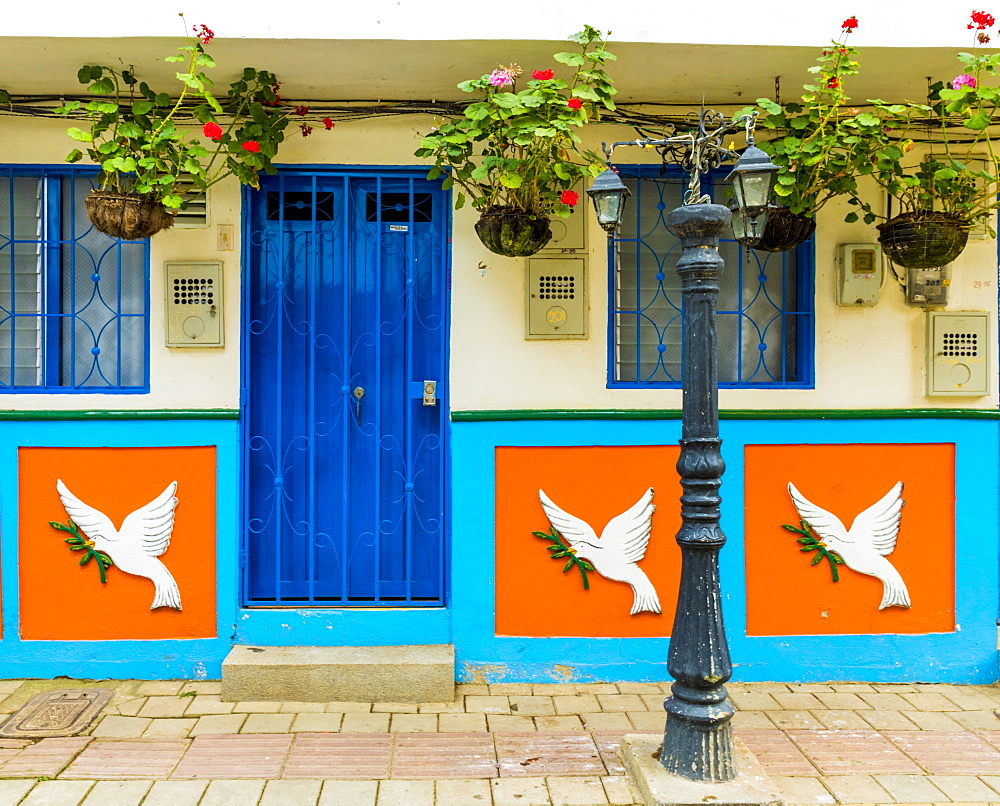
x: 423, y: 673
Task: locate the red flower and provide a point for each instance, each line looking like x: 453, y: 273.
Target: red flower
x: 306, y: 129
x: 569, y: 197
x: 982, y: 38
x: 212, y: 130
x: 981, y: 21
x: 849, y: 24
x: 302, y: 110
x: 328, y: 123
x: 574, y: 103
x: 833, y: 83
x: 542, y: 75
x: 204, y: 33
x: 277, y: 98
x: 251, y: 145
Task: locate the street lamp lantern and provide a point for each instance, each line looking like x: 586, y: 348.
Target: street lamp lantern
x: 748, y: 227
x: 608, y: 194
x: 753, y: 179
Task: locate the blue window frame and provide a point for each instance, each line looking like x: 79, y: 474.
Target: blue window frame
x: 74, y: 303
x: 765, y: 313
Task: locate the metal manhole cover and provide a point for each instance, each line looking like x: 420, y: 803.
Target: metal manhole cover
x: 63, y: 712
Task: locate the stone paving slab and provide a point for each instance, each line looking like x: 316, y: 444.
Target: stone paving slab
x: 777, y: 754
x: 949, y: 752
x: 235, y: 756
x: 125, y: 760
x: 547, y: 754
x: 44, y: 759
x: 444, y: 755
x: 340, y: 755
x: 852, y: 751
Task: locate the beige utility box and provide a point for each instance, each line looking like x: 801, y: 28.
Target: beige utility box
x: 194, y: 304
x: 958, y: 353
x: 557, y: 298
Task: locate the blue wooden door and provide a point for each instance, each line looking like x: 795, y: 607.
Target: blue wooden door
x: 345, y: 320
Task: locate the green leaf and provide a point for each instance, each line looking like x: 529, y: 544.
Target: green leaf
x: 142, y: 107
x: 570, y: 59
x: 130, y: 130
x: 80, y: 135
x: 817, y: 559
x: 978, y: 122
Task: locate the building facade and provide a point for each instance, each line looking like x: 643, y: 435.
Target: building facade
x: 364, y: 410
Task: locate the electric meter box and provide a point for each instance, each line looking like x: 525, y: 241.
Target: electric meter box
x: 194, y: 304
x: 557, y: 298
x: 958, y: 353
x: 859, y: 273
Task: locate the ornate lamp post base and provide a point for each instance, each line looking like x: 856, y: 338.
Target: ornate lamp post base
x: 658, y: 787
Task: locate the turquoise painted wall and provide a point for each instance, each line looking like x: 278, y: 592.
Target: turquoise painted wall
x: 181, y: 658
x: 968, y: 655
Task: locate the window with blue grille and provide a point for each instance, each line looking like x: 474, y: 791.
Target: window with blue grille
x: 765, y: 312
x: 74, y: 303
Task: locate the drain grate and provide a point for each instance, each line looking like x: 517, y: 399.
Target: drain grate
x: 64, y: 712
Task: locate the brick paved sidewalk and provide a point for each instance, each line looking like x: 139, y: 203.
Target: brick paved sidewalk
x: 175, y: 743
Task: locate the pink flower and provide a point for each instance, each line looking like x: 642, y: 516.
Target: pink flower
x: 963, y: 80
x: 569, y: 197
x: 849, y: 24
x: 204, y: 33
x: 251, y: 145
x: 542, y: 75
x: 981, y: 21
x: 500, y: 78
x: 212, y: 130
x: 574, y: 103
x: 328, y: 123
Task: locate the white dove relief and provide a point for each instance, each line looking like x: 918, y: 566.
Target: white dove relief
x: 144, y: 536
x: 622, y: 544
x: 870, y: 539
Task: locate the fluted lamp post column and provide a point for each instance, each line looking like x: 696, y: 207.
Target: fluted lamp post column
x: 697, y: 739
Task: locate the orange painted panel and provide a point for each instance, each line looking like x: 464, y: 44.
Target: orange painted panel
x: 533, y: 596
x: 787, y: 596
x: 60, y: 600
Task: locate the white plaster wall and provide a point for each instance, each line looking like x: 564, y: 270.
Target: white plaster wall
x: 768, y: 22
x: 865, y: 358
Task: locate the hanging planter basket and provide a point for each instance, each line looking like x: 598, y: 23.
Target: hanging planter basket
x: 784, y: 230
x: 128, y: 216
x: 924, y: 239
x: 512, y: 232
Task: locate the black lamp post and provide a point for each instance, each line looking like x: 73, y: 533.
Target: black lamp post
x: 697, y: 740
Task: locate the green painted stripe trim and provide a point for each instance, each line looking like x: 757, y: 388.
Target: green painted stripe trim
x: 130, y: 414
x: 504, y: 415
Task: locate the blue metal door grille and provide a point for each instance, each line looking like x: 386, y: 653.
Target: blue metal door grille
x: 346, y: 316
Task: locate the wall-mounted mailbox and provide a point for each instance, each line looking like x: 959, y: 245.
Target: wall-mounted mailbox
x: 958, y: 353
x: 194, y: 304
x: 557, y: 298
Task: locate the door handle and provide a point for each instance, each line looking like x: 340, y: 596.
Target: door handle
x: 430, y: 393
x: 359, y: 393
